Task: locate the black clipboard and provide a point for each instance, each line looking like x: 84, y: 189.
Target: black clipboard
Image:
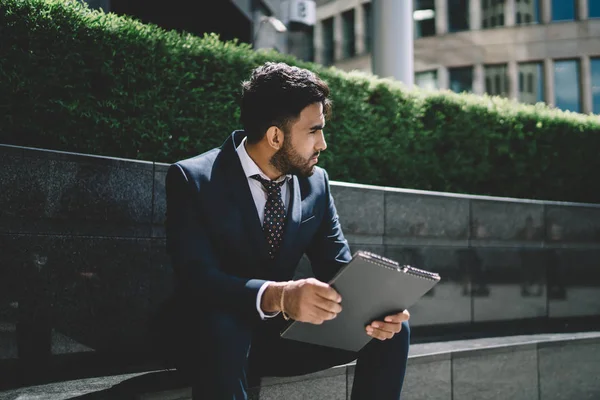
x: 371, y: 287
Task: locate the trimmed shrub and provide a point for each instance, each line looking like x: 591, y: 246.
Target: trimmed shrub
x: 79, y: 80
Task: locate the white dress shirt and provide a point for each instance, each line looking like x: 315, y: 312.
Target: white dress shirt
x: 259, y: 194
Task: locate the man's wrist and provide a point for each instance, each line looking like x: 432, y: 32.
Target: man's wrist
x: 271, y: 298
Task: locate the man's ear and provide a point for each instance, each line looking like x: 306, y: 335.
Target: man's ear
x: 275, y: 137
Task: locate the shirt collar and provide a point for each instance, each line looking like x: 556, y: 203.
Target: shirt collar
x: 249, y: 166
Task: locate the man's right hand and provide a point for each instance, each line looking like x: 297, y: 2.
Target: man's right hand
x: 305, y: 300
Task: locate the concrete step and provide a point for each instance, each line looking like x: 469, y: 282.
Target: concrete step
x: 544, y: 367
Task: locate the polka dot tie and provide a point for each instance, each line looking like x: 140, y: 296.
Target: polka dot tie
x: 274, y: 220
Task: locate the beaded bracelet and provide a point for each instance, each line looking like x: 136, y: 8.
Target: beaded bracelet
x: 285, y: 316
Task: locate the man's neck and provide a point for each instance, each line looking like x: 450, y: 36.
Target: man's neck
x: 261, y: 157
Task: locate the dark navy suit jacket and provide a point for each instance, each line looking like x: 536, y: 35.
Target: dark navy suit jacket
x: 215, y: 239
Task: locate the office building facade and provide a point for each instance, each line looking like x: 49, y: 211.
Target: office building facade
x: 528, y: 50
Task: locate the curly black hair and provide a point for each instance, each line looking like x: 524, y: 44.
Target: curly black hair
x: 276, y: 94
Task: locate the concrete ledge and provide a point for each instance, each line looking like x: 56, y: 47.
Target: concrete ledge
x: 516, y: 367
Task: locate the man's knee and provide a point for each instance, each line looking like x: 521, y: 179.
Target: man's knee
x: 405, y: 331
x: 403, y: 337
x: 218, y: 340
x: 400, y: 343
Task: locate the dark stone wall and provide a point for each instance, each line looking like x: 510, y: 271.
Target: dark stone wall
x: 83, y: 262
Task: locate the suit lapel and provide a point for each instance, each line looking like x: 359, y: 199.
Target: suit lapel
x: 294, y: 215
x: 237, y: 182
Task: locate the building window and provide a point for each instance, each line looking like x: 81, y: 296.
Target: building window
x: 461, y: 79
x: 328, y: 43
x: 531, y: 82
x: 368, y: 24
x: 563, y: 10
x: 310, y: 44
x: 492, y: 13
x: 426, y: 80
x: 595, y: 71
x: 348, y: 47
x: 566, y: 85
x: 594, y: 8
x: 424, y: 17
x: 458, y: 15
x: 527, y: 12
x: 496, y: 80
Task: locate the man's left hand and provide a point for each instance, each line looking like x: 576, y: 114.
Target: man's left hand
x: 387, y: 328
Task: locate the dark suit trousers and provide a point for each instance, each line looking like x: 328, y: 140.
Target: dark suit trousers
x: 227, y: 356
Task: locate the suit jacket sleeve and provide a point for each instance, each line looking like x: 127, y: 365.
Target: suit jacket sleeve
x: 197, y: 268
x: 328, y: 251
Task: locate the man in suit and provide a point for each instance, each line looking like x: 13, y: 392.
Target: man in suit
x: 239, y: 219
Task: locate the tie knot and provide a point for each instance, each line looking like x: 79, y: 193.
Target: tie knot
x: 270, y: 186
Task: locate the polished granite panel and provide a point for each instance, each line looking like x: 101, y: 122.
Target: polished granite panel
x: 92, y: 292
x: 160, y: 274
x: 25, y: 196
x: 579, y: 224
x: 11, y: 280
x: 159, y: 199
x: 573, y: 282
x: 427, y: 380
x: 8, y: 150
x: 361, y: 211
x: 426, y: 216
x: 495, y: 375
x: 329, y: 388
x: 86, y: 158
x: 96, y: 388
x: 569, y: 371
x: 508, y: 283
x: 337, y: 371
x: 350, y: 379
x: 503, y: 220
x: 76, y: 195
x: 444, y: 348
x: 363, y: 239
x: 8, y: 340
x: 449, y: 301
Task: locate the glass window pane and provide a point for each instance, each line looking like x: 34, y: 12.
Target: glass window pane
x: 458, y: 15
x: 595, y: 71
x: 426, y: 80
x: 563, y: 10
x: 496, y: 79
x: 527, y: 12
x: 368, y: 23
x: 531, y: 82
x: 348, y: 48
x: 310, y: 44
x: 328, y: 46
x: 424, y: 17
x: 566, y: 85
x: 594, y: 8
x: 461, y: 79
x: 493, y: 12
x: 521, y: 81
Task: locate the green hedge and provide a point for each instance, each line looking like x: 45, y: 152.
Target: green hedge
x: 80, y: 80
